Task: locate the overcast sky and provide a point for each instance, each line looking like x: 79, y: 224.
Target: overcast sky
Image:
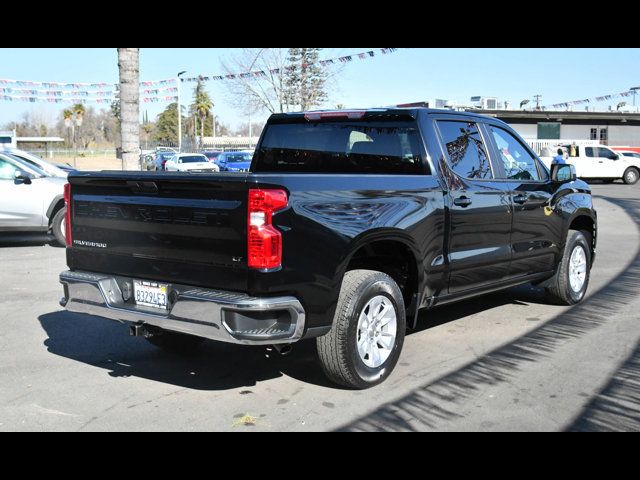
x: 406, y: 75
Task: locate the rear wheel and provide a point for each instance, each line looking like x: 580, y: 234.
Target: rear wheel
x: 631, y: 176
x: 58, y: 227
x: 366, y: 339
x: 570, y: 283
x: 175, y: 342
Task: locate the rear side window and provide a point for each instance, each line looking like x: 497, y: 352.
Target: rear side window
x: 341, y: 147
x: 467, y: 154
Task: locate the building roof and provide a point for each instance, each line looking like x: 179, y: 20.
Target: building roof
x: 39, y: 139
x: 563, y: 115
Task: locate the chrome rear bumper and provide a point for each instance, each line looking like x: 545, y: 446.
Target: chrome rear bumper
x: 214, y: 314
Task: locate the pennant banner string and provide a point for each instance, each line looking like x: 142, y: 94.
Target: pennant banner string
x: 106, y: 93
x: 602, y: 98
x: 264, y: 73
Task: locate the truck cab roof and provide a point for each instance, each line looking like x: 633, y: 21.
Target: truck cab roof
x: 410, y: 112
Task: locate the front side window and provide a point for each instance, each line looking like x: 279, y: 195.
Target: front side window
x: 467, y: 154
x: 518, y: 163
x: 606, y: 153
x: 599, y: 152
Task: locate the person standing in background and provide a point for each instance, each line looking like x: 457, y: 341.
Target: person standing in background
x: 559, y: 159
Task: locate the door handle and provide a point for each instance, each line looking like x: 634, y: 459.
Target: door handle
x: 520, y: 199
x: 463, y: 202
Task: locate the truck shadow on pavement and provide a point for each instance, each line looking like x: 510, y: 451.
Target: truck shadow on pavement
x: 432, y: 405
x: 213, y: 366
x: 26, y: 240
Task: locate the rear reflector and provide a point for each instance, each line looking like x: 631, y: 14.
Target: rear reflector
x: 67, y: 217
x: 264, y: 241
x: 355, y: 114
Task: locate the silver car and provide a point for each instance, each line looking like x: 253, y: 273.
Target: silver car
x: 30, y: 159
x: 31, y: 200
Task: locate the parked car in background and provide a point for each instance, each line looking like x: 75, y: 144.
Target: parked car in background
x: 235, y: 161
x: 211, y: 155
x: 629, y: 153
x: 34, y: 160
x: 31, y: 200
x: 348, y: 224
x: 190, y: 162
x: 148, y: 161
x: 161, y: 159
x: 599, y: 162
x: 626, y: 149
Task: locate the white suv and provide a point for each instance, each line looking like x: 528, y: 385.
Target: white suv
x: 31, y: 200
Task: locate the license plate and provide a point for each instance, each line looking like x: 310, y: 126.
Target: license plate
x: 150, y: 294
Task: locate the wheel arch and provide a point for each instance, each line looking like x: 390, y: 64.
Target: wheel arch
x: 393, y: 252
x: 55, y: 206
x: 585, y: 221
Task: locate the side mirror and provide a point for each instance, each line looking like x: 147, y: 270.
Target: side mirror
x: 563, y: 172
x: 22, y: 177
x: 615, y: 157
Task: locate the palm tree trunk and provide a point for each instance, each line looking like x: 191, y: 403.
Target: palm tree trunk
x: 129, y: 65
x: 202, y: 131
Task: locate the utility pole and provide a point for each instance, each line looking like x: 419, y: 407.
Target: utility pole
x: 179, y: 114
x: 537, y: 97
x: 635, y: 92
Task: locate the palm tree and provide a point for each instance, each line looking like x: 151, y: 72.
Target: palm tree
x: 79, y: 111
x: 129, y: 66
x: 67, y: 116
x: 202, y: 105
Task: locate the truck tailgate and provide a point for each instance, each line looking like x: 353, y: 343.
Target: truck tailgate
x: 182, y: 228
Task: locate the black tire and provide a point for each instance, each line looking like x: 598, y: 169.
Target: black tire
x: 559, y: 287
x: 338, y: 350
x: 631, y: 176
x: 58, y: 227
x: 175, y: 342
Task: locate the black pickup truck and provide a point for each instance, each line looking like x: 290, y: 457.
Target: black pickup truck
x: 346, y: 226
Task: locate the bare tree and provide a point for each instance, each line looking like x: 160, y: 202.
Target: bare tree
x: 266, y: 91
x: 129, y: 66
x: 260, y: 79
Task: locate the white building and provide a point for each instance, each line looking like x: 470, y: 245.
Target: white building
x: 608, y: 127
x: 8, y: 139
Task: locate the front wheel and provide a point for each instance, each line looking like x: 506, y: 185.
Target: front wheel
x: 366, y: 339
x: 631, y: 176
x: 570, y: 283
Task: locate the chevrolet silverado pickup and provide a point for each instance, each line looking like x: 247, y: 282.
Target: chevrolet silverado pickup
x: 347, y: 224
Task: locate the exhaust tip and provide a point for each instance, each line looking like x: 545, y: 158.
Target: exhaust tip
x: 283, y: 349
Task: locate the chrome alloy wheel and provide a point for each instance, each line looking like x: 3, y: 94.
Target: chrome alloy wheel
x: 578, y: 268
x: 377, y: 329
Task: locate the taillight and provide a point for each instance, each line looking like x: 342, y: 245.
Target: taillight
x: 264, y: 241
x: 67, y: 217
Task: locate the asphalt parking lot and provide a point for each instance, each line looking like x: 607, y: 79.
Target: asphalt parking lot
x: 507, y: 361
